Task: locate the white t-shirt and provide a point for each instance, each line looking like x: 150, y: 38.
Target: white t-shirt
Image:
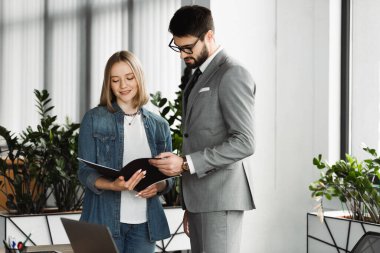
x: 133, y: 210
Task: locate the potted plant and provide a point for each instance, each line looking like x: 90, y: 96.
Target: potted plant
x: 39, y: 163
x: 355, y: 184
x: 174, y: 120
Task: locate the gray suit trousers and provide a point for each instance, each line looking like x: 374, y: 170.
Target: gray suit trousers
x: 215, y: 232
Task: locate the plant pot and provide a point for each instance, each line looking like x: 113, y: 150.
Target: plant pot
x: 336, y: 233
x: 45, y: 229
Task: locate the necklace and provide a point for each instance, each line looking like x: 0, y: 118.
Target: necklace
x: 132, y: 115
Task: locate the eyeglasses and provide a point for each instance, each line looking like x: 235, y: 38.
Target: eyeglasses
x: 188, y: 49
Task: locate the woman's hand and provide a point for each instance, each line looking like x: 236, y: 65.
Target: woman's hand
x: 152, y: 190
x: 119, y: 184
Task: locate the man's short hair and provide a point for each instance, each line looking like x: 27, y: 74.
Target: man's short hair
x: 191, y: 20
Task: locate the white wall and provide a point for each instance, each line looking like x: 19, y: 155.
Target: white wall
x: 365, y: 76
x: 285, y: 45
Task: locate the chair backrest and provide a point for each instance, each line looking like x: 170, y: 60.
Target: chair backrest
x: 368, y: 243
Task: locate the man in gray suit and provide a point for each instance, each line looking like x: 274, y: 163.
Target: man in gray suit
x: 218, y: 140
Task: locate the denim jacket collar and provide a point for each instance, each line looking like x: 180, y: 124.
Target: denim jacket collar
x: 118, y: 110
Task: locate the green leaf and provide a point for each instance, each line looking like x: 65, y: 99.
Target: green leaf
x: 44, y: 103
x: 162, y: 102
x: 165, y: 111
x: 371, y: 151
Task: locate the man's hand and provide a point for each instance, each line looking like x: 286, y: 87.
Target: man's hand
x: 152, y: 190
x: 169, y: 163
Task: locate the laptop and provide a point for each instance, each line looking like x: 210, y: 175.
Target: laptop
x: 89, y: 238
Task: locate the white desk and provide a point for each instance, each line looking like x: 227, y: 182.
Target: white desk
x: 64, y: 248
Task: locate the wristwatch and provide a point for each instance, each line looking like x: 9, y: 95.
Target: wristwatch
x: 185, y: 165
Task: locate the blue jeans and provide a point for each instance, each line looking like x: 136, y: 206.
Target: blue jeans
x: 134, y: 238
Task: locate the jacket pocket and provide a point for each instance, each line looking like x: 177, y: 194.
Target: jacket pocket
x: 105, y: 147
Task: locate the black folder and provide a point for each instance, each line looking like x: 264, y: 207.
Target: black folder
x: 152, y: 176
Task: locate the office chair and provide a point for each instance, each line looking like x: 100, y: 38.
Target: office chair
x: 368, y: 243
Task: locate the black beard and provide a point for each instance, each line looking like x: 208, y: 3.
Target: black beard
x: 199, y: 60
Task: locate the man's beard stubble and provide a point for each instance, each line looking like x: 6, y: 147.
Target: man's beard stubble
x: 199, y: 60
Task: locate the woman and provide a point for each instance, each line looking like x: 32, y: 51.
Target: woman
x: 116, y: 132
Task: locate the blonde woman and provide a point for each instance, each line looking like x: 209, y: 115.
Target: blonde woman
x: 114, y: 133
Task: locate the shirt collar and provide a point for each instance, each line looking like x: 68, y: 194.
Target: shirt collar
x: 204, y: 65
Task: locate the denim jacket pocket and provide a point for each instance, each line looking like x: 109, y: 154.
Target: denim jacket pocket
x: 105, y: 147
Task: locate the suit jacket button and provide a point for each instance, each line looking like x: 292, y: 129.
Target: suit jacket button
x: 186, y: 135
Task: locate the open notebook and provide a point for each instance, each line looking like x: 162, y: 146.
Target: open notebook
x: 153, y: 175
x: 89, y: 238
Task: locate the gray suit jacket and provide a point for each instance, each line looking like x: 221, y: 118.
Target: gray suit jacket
x: 218, y: 127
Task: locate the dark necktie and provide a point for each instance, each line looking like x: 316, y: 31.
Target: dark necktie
x: 191, y: 84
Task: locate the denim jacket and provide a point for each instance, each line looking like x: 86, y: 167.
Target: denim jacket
x: 101, y: 141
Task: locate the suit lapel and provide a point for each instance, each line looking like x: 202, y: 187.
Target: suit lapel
x: 203, y: 80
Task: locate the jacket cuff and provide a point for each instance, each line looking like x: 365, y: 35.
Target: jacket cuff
x: 169, y: 185
x: 91, y: 179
